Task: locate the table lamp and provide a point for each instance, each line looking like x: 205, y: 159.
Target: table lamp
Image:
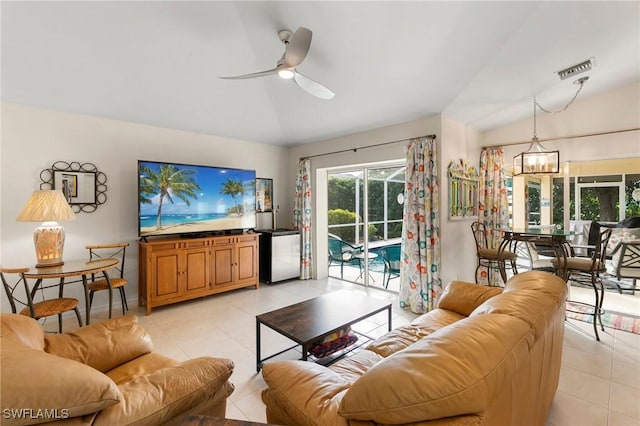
x: 48, y: 207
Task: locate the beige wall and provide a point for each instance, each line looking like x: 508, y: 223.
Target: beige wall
x: 33, y: 139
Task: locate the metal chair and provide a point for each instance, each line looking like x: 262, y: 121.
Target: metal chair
x: 341, y: 253
x: 37, y: 310
x: 391, y: 258
x: 102, y: 251
x: 491, y: 258
x: 587, y: 270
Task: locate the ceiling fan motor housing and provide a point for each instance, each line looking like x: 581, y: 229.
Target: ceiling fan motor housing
x: 285, y: 35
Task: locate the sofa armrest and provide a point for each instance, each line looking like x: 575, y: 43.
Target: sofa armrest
x: 304, y: 392
x: 104, y: 345
x: 167, y: 393
x: 463, y: 298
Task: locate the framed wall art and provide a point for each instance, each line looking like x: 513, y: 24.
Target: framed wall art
x: 264, y: 195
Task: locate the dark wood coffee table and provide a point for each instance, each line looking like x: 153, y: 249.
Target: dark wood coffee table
x: 311, y: 320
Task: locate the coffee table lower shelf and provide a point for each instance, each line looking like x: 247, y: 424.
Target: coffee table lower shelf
x: 363, y: 339
x: 309, y: 321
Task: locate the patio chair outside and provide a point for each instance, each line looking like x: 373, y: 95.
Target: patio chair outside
x: 341, y: 252
x: 391, y: 257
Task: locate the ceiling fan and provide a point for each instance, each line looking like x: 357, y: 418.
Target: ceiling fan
x: 296, y: 48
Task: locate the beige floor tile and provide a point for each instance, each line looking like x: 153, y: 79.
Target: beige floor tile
x: 585, y: 386
x: 568, y: 410
x: 233, y: 412
x: 251, y: 405
x: 597, y: 364
x: 619, y: 419
x: 626, y: 372
x: 625, y: 400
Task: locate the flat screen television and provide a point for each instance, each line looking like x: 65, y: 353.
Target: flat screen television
x: 191, y: 199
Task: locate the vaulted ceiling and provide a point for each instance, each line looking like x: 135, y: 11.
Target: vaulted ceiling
x: 158, y: 63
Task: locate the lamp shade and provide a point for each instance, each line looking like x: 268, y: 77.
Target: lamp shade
x: 46, y: 205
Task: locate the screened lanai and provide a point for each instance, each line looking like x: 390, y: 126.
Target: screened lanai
x: 378, y: 191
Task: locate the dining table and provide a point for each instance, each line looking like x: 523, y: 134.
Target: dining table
x: 79, y: 269
x: 557, y: 239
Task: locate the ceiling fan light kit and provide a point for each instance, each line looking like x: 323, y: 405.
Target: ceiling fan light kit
x: 296, y: 48
x: 286, y: 74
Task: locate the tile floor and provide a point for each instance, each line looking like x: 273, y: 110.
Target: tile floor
x: 599, y: 382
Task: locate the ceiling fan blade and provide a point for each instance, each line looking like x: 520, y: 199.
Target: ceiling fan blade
x: 312, y: 87
x: 254, y: 75
x: 298, y: 47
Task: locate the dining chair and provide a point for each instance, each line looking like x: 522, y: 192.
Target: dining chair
x: 117, y: 279
x: 341, y: 252
x: 586, y: 270
x: 491, y: 258
x: 37, y: 310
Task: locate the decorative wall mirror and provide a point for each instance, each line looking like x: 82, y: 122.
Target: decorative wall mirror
x: 84, y: 187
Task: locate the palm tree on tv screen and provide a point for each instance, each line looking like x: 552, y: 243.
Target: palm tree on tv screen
x: 168, y: 182
x: 234, y: 188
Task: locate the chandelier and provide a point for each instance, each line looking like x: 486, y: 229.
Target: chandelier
x: 537, y: 159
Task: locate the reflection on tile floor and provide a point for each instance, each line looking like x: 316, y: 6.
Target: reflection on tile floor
x: 599, y: 383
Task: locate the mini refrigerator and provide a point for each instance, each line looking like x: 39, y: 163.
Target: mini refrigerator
x: 279, y: 254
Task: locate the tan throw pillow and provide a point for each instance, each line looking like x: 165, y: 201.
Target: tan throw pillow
x: 463, y: 298
x: 104, y: 345
x: 37, y: 387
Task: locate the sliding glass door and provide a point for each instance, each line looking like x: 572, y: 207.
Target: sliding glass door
x: 365, y: 224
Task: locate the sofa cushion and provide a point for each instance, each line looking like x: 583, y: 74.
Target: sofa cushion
x: 463, y: 297
x: 619, y: 235
x: 304, y: 392
x: 141, y: 366
x: 454, y: 371
x: 402, y: 337
x: 36, y: 380
x: 103, y: 346
x: 356, y: 364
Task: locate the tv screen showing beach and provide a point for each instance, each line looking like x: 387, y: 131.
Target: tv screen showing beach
x: 190, y: 199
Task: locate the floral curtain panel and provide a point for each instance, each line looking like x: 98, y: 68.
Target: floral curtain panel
x: 494, y: 206
x: 420, y: 281
x: 302, y: 216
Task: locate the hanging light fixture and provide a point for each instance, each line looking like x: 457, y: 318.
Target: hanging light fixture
x: 536, y: 159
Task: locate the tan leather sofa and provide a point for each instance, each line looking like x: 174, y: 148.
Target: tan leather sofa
x: 102, y: 374
x: 483, y: 357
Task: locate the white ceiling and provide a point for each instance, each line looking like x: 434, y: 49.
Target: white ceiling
x: 157, y: 63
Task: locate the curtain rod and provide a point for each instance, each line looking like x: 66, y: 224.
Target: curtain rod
x: 584, y: 135
x: 365, y: 147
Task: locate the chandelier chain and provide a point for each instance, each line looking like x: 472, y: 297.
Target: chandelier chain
x: 535, y: 132
x: 535, y: 103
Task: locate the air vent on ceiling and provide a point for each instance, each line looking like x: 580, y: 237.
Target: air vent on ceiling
x: 576, y: 69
